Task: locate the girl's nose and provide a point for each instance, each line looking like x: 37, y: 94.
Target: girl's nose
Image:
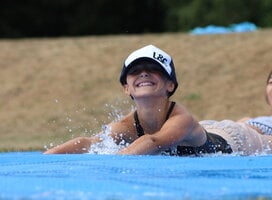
x: 144, y: 74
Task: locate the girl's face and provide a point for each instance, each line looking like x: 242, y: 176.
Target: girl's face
x: 148, y: 79
x: 269, y: 90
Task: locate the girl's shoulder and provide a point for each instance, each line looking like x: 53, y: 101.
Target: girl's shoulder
x: 124, y: 128
x: 124, y: 123
x: 181, y: 110
x: 181, y: 115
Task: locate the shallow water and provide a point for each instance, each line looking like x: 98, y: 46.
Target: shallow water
x: 32, y: 175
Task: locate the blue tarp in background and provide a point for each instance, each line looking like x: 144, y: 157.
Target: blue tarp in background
x: 233, y: 28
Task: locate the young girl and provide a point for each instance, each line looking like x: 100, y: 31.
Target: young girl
x: 158, y: 125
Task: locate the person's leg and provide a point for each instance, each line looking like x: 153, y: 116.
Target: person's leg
x: 242, y: 139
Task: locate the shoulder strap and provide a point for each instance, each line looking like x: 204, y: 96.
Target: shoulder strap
x: 170, y: 110
x: 139, y: 128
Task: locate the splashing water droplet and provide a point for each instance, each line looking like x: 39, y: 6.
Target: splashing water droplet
x: 107, y: 146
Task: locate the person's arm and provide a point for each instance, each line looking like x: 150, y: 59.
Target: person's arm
x: 83, y: 144
x: 74, y: 146
x: 176, y: 130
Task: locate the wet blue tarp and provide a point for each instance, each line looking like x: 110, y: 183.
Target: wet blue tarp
x: 32, y: 175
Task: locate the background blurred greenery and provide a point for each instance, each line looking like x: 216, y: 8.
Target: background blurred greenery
x: 54, y: 18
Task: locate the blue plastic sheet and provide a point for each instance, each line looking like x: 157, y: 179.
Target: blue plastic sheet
x: 32, y: 175
x: 233, y: 28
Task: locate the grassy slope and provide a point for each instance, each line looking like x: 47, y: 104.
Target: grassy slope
x: 56, y: 89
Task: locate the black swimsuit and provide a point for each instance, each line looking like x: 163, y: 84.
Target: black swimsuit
x: 213, y: 144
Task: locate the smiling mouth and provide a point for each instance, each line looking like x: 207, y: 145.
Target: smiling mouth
x: 146, y: 83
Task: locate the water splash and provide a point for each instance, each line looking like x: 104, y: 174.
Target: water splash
x: 107, y: 144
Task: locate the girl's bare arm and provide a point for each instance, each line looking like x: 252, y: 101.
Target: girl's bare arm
x: 74, y: 146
